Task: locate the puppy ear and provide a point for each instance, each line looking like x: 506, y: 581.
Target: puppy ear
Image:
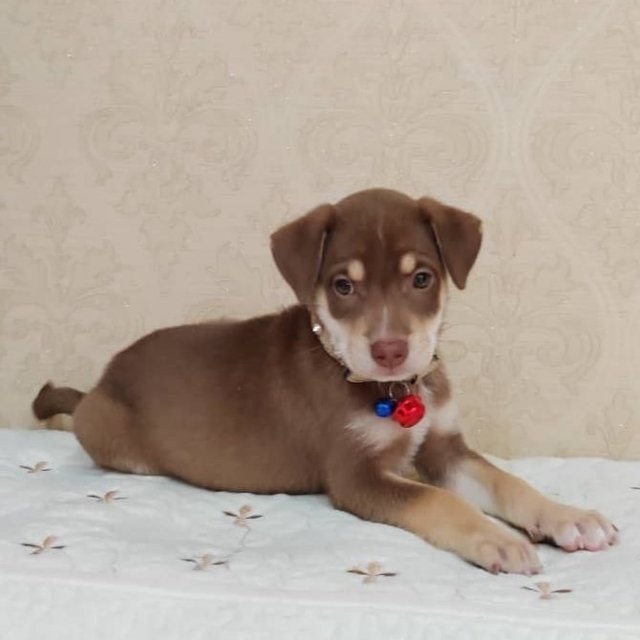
x: 298, y: 249
x: 458, y: 235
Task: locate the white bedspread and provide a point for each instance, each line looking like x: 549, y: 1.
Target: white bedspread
x: 87, y: 554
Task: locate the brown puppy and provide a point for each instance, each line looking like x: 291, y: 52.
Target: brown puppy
x: 284, y: 403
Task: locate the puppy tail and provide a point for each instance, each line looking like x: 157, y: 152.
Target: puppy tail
x: 53, y: 401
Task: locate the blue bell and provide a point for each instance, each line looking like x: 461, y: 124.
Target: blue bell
x: 384, y: 407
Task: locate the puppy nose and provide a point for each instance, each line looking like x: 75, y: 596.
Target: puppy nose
x: 389, y: 353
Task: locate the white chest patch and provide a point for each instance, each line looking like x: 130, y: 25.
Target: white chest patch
x: 377, y: 434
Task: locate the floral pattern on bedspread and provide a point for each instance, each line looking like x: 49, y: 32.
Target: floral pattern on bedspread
x: 78, y: 520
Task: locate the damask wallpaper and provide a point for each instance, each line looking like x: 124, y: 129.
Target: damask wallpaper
x: 148, y: 148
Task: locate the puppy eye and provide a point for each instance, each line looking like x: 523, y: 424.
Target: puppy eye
x: 422, y: 279
x: 342, y: 286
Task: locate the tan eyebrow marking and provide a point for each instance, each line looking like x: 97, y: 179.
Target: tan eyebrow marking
x: 407, y: 263
x: 355, y: 269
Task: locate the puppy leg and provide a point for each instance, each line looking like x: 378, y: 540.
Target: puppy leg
x: 106, y: 430
x: 435, y: 514
x: 500, y: 494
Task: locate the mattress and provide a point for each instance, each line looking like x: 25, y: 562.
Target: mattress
x: 91, y: 554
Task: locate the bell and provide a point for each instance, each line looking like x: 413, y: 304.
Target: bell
x: 409, y: 411
x: 384, y: 407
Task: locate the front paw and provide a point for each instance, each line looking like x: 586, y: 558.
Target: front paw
x: 500, y: 550
x: 574, y: 529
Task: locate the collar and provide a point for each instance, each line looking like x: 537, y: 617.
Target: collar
x: 349, y: 376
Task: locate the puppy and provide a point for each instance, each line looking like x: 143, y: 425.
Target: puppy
x: 341, y: 394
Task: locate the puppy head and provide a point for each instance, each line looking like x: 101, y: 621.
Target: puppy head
x: 374, y: 270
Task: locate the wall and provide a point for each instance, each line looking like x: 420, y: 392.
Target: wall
x: 148, y: 148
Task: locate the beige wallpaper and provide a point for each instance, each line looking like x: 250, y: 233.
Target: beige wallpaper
x: 148, y: 147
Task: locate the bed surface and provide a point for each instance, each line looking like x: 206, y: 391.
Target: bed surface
x: 90, y: 554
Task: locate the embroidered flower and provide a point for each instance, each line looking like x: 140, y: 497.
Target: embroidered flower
x: 545, y: 590
x: 47, y: 544
x: 109, y: 496
x: 371, y: 573
x: 202, y: 563
x: 36, y: 468
x: 244, y: 514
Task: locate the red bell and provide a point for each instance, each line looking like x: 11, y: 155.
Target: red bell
x: 409, y: 411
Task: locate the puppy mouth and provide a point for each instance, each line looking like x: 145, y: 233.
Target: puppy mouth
x: 377, y: 373
x: 393, y: 378
x: 389, y: 374
x: 414, y: 366
x: 360, y: 363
